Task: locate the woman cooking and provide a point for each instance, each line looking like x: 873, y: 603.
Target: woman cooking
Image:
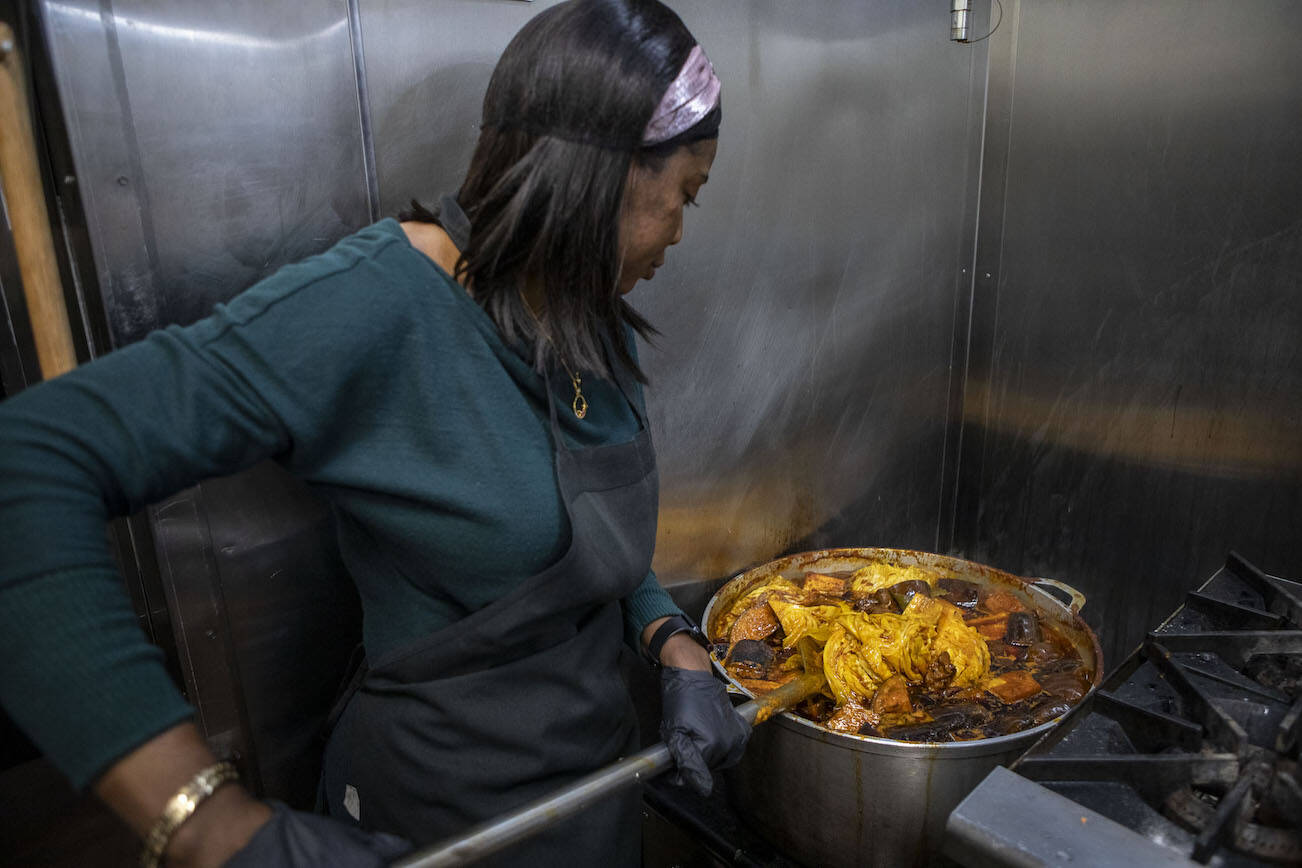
x: 462, y: 387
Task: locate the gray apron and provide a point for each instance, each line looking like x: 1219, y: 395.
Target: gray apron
x: 520, y: 697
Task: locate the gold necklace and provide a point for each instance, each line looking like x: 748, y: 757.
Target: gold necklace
x: 580, y: 403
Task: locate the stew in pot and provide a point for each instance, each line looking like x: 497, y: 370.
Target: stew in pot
x: 909, y: 653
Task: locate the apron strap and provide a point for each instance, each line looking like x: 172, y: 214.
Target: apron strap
x: 454, y: 221
x: 624, y: 380
x: 354, y: 675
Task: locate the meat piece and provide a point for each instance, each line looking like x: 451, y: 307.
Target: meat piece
x: 1005, y: 655
x: 1048, y: 709
x: 1001, y: 601
x: 1069, y: 686
x: 878, y: 603
x: 788, y: 660
x: 973, y: 714
x: 1023, y: 629
x: 903, y: 592
x: 757, y: 622
x: 892, y: 696
x: 965, y: 694
x: 1013, y: 720
x: 936, y: 730
x: 851, y: 717
x: 820, y: 583
x: 1013, y: 686
x: 747, y: 671
x: 939, y: 674
x: 781, y: 656
x: 990, y: 626
x: 817, y: 707
x: 751, y: 651
x: 959, y: 592
x: 1045, y: 650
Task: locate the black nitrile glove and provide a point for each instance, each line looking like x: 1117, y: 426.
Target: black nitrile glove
x: 699, y: 726
x: 294, y: 839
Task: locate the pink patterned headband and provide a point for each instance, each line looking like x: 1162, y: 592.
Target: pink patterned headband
x: 691, y: 96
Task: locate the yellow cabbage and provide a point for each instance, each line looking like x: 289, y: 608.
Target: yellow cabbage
x: 876, y: 576
x: 967, y: 649
x: 799, y: 621
x: 777, y: 588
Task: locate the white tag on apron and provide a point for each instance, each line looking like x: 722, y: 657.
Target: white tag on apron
x: 352, y: 804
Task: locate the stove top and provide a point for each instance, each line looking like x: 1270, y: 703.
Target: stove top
x: 681, y: 829
x: 1187, y: 754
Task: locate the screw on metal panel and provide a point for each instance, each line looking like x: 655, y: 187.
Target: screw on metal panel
x: 123, y: 181
x: 987, y: 275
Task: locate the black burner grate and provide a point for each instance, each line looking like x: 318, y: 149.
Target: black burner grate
x: 1202, y: 723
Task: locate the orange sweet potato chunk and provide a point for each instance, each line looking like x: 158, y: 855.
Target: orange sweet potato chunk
x: 758, y: 622
x: 819, y: 583
x: 1013, y: 686
x: 990, y: 626
x: 1002, y: 602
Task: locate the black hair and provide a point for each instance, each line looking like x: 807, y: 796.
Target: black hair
x: 562, y: 123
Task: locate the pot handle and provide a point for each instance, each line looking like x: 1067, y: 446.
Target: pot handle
x: 1075, y: 599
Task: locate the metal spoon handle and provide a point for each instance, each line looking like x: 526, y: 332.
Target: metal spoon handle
x: 493, y: 835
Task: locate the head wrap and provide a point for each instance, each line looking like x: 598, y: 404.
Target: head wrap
x: 691, y: 96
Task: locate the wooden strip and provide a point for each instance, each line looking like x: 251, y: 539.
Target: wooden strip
x: 20, y: 181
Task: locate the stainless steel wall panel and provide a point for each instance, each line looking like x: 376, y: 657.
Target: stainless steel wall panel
x: 800, y: 390
x: 801, y: 386
x: 214, y: 143
x: 1142, y: 410
x: 427, y: 65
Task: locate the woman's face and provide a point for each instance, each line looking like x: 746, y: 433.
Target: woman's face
x: 652, y: 218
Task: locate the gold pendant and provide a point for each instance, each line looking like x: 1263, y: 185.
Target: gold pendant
x: 580, y: 404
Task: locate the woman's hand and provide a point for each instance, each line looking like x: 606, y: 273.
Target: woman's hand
x: 698, y: 723
x: 293, y: 839
x: 138, y: 787
x: 224, y: 823
x: 230, y: 827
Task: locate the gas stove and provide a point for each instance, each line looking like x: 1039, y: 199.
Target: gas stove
x: 1187, y: 754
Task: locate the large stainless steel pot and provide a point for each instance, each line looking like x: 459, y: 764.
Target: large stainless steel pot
x: 832, y: 799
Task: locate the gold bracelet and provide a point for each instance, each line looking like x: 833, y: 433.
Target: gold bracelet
x: 180, y: 807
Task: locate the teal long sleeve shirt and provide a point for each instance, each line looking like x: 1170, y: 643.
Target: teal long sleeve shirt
x: 367, y: 372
